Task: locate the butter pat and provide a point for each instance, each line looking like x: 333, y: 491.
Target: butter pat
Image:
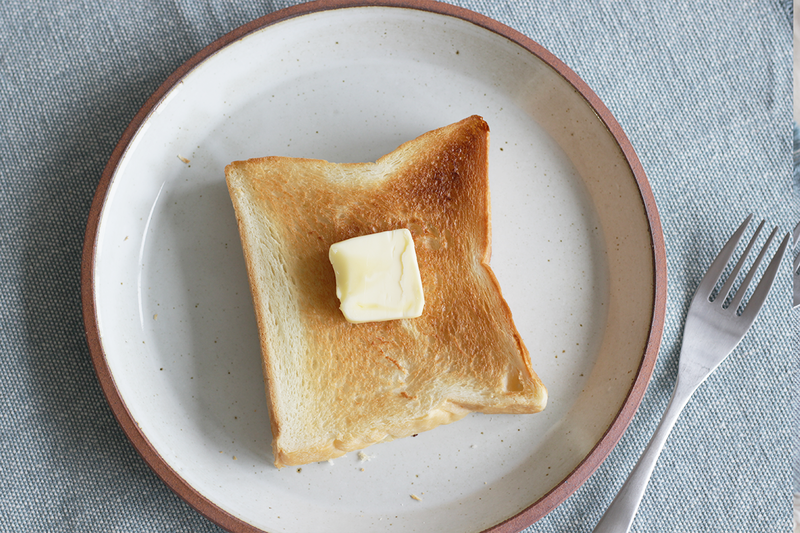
x: 377, y: 277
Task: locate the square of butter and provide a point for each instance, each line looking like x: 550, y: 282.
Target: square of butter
x: 377, y: 277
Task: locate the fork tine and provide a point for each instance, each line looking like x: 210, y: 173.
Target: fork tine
x: 737, y: 299
x: 726, y: 288
x: 760, y: 294
x: 709, y: 281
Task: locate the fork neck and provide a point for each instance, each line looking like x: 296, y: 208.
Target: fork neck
x: 685, y: 385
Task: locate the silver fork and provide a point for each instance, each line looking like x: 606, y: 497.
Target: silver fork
x: 713, y: 329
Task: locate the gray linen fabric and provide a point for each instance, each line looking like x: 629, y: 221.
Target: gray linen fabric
x: 796, y: 383
x: 703, y: 90
x: 796, y: 252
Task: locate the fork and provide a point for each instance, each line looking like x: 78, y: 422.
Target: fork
x: 714, y: 326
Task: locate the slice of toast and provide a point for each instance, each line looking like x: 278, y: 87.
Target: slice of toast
x: 334, y: 386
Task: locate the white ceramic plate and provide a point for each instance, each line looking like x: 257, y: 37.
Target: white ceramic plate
x: 576, y: 246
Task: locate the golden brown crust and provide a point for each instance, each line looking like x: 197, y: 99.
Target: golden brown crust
x: 336, y: 386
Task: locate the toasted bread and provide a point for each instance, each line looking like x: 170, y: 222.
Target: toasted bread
x: 334, y: 386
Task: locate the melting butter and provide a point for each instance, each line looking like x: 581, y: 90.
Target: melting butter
x: 377, y: 277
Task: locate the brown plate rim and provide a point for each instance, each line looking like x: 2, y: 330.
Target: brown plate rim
x: 602, y: 449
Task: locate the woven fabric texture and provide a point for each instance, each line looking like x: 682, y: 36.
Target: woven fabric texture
x: 796, y: 403
x: 702, y: 89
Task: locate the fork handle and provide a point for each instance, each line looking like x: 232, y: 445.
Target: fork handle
x: 619, y: 515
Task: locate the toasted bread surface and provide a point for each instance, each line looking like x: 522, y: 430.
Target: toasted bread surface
x: 334, y: 386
